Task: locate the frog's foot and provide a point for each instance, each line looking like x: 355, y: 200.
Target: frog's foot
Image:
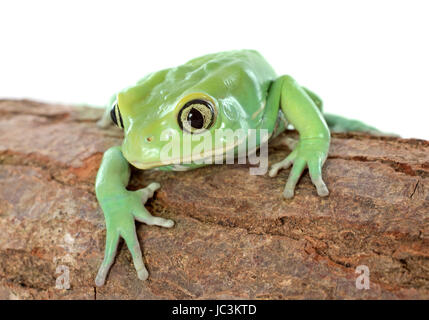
x: 120, y: 218
x: 304, y: 155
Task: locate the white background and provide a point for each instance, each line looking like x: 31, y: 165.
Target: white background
x: 366, y: 59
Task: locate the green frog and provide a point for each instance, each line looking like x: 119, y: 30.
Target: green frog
x: 234, y: 90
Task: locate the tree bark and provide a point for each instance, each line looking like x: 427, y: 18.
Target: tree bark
x: 235, y: 236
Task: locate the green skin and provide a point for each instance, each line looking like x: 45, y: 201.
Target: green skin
x: 245, y: 93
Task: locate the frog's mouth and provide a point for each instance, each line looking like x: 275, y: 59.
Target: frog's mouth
x: 147, y: 165
x: 201, y: 158
x: 178, y: 161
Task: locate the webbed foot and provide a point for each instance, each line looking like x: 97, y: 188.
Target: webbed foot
x: 310, y: 153
x: 120, y: 211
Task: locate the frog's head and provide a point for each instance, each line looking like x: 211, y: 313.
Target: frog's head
x: 149, y: 121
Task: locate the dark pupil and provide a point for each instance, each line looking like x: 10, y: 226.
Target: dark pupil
x: 195, y: 118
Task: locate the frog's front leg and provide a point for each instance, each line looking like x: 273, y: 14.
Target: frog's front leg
x: 121, y: 208
x: 312, y: 148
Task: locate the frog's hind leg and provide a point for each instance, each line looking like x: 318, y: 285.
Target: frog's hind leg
x: 341, y: 124
x: 338, y: 123
x: 316, y: 99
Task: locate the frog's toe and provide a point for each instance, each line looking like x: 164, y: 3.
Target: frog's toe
x: 315, y: 169
x: 166, y: 223
x: 132, y: 242
x: 274, y: 170
x: 322, y: 190
x: 101, y: 276
x: 286, y: 163
x: 294, y: 175
x: 148, y: 192
x: 153, y: 186
x: 142, y: 215
x: 288, y: 193
x: 142, y: 274
x: 158, y: 221
x: 112, y: 239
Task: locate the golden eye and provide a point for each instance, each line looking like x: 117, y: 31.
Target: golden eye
x: 196, y: 116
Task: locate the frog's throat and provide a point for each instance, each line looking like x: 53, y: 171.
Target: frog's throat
x: 201, y: 158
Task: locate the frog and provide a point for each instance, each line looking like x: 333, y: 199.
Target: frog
x: 233, y: 90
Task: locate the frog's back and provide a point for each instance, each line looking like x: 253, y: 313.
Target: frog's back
x: 229, y: 65
x: 245, y: 59
x: 239, y: 80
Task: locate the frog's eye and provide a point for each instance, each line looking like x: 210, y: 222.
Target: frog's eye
x: 115, y: 114
x: 196, y: 116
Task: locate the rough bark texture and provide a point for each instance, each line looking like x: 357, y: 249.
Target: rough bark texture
x: 235, y: 236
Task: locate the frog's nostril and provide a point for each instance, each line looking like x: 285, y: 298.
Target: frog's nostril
x: 149, y: 139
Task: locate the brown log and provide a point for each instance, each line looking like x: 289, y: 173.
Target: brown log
x: 235, y: 236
